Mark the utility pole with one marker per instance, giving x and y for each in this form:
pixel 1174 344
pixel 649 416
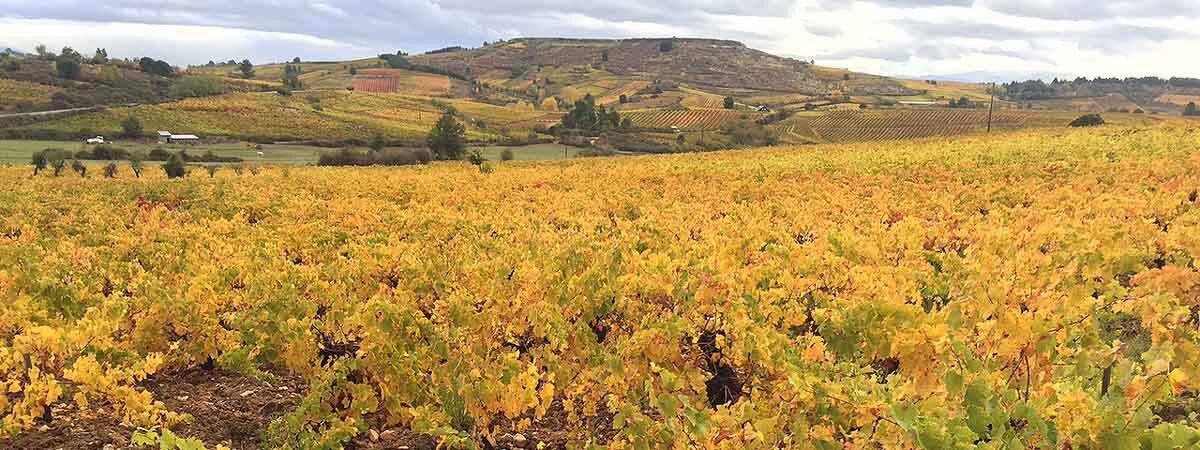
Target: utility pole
pixel 991 106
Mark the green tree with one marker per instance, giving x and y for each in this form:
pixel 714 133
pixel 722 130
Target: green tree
pixel 1191 110
pixel 174 166
pixel 131 127
pixel 291 77
pixel 585 115
pixel 729 102
pixel 247 69
pixel 100 57
pixel 69 64
pixel 377 142
pixel 156 67
pixel 447 138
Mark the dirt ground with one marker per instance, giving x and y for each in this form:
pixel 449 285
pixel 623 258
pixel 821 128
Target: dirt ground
pixel 229 409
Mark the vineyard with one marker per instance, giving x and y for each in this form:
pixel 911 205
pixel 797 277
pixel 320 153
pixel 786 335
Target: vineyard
pixel 1025 290
pixel 15 94
pixel 327 115
pixel 686 119
pixel 854 126
pixel 396 80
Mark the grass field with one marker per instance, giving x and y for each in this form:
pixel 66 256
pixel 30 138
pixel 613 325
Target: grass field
pixel 19 151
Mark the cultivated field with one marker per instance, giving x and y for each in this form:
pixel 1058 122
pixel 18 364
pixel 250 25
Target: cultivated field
pixel 850 126
pixel 14 94
pixel 323 115
pixel 686 119
pixel 1023 290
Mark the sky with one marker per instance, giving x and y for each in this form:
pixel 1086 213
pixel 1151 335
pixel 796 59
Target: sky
pixel 971 39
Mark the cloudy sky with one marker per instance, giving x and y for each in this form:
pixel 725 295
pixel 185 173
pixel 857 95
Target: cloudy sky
pixel 1005 38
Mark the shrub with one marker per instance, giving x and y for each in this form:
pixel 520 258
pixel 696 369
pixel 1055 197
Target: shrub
pixel 506 154
pixel 135 163
pixel 486 168
pixel 1087 120
pixel 475 156
pixel 110 170
pixel 212 170
pixel 174 167
pixel 79 168
pixel 392 157
pixel 159 154
pixel 730 102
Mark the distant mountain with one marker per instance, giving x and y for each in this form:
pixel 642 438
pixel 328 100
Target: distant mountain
pixel 11 51
pixel 982 76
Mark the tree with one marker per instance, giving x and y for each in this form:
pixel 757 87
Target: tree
pixel 549 104
pixel 296 60
pixel 729 102
pixel 100 57
pixel 447 138
pixel 69 67
pixel 155 66
pixel 110 170
pixel 353 70
pixel 666 46
pixel 1191 110
pixel 623 99
pixel 131 127
pixel 377 142
pixel 291 77
pixel 174 166
pixel 507 155
pixel 247 69
pixel 586 115
pixel 42 52
pixel 604 56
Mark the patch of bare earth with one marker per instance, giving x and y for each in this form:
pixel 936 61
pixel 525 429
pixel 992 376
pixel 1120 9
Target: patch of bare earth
pixel 229 409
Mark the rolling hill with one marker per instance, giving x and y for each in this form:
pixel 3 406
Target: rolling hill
pixel 718 66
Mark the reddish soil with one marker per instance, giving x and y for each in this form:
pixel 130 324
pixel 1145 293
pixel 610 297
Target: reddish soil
pixel 229 409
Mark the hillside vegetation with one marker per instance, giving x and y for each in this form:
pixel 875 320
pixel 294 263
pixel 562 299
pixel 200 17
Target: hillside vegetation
pixel 1027 290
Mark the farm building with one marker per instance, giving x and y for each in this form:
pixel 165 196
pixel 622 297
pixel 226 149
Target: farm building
pixel 183 139
pixel 164 137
